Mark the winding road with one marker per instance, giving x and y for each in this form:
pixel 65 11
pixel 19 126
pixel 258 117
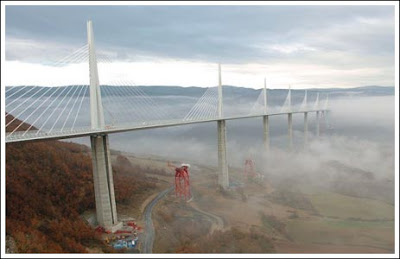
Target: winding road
pixel 149 236
pixel 217 222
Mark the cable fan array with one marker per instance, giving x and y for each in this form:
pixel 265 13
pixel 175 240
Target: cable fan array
pixel 206 107
pixel 316 104
pixel 126 104
pixel 39 110
pixel 259 105
pixel 48 109
pixel 287 105
pixel 304 104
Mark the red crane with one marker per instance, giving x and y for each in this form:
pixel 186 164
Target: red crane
pixel 182 183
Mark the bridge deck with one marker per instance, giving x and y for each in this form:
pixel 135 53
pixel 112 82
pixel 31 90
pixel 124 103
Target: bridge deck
pixel 81 132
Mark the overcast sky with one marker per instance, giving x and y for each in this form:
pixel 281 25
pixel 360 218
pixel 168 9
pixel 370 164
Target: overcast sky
pixel 305 46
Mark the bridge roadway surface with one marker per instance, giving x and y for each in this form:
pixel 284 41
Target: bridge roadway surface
pixel 37 136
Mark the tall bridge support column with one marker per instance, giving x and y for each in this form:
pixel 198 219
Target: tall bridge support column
pixel 317 121
pixel 223 175
pixel 266 132
pixel 265 119
pixel 103 183
pixel 290 131
pixel 305 129
pixel 106 210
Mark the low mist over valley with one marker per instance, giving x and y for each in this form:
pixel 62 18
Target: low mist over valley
pixel 223 128
pixel 334 193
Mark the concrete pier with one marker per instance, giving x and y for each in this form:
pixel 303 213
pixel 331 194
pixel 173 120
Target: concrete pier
pixel 266 118
pixel 106 210
pixel 266 132
pixel 223 175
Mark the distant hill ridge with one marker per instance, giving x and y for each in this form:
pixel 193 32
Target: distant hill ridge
pixel 194 91
pixel 228 89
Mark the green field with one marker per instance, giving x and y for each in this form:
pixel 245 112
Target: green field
pixel 345 221
pixel 347 207
pixel 343 232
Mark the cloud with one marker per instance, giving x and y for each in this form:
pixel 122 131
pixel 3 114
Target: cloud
pixel 362 35
pixel 370 149
pixel 201 31
pixel 290 48
pixel 44 75
pixel 355 41
pixel 28 50
pixel 191 73
pixel 350 119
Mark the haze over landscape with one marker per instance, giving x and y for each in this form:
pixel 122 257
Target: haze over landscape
pixel 334 193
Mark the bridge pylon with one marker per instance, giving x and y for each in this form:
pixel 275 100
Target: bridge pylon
pixel 290 120
pixel 266 119
pixel 305 120
pixel 223 174
pixel 305 129
pixel 106 210
pixel 316 106
pixel 290 131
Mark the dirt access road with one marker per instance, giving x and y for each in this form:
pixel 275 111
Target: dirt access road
pixel 149 236
pixel 216 221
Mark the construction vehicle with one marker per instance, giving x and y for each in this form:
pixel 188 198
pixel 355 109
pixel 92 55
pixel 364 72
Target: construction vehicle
pixel 119 244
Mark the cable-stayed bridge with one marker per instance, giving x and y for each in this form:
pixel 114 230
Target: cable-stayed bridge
pixel 95 110
pixel 60 112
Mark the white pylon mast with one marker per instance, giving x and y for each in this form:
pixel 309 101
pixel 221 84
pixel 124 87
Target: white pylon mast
pixel 220 99
pixel 326 102
pixel 305 100
pixel 265 96
pixel 316 105
pixel 96 106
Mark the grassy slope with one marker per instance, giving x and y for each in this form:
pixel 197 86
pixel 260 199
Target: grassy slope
pixel 346 221
pixel 342 232
pixel 342 206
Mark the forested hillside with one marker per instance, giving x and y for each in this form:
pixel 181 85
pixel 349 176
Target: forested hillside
pixel 48 185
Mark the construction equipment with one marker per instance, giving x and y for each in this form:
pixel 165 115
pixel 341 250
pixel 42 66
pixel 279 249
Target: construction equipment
pixel 182 182
pixel 249 170
pixel 124 244
pixel 100 229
